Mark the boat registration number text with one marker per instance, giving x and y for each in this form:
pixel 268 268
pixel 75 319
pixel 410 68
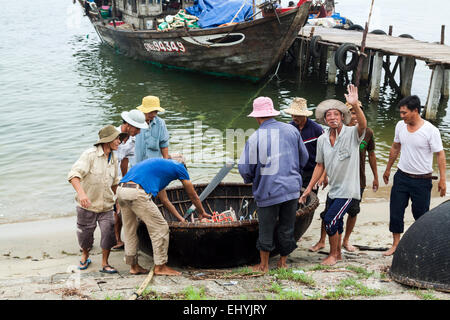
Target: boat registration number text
pixel 165 46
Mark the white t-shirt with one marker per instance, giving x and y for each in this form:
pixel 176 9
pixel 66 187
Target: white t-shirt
pixel 125 150
pixel 341 162
pixel 417 148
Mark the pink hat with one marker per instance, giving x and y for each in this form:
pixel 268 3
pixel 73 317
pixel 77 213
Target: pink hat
pixel 263 107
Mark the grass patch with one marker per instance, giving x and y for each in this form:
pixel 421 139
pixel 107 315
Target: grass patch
pixel 118 297
pixel 191 293
pixel 425 294
pixel 362 273
pixel 288 274
pixel 320 267
pixel 350 287
pixel 281 294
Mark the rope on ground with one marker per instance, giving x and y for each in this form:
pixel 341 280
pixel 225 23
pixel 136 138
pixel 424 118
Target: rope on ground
pixel 144 285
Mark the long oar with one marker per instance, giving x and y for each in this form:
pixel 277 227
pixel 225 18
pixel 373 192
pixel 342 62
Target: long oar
pixel 212 185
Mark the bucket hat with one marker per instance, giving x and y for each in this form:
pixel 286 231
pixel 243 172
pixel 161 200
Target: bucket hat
pixel 149 104
pixel 299 107
pixel 332 104
pixel 263 107
pixel 107 134
pixel 136 118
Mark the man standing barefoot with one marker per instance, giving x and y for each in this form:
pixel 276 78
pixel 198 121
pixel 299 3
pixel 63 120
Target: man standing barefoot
pixel 338 154
pixel 418 140
pixel 272 161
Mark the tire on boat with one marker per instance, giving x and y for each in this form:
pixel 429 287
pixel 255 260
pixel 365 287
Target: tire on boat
pixel 378 31
pixel 356 27
pixel 340 57
pixel 315 47
pixel 422 258
pixel 224 244
pixel 405 35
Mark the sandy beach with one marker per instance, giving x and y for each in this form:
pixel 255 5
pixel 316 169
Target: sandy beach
pixel 38 260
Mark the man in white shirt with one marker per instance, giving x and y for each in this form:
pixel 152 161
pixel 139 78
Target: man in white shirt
pixel 418 140
pixel 133 122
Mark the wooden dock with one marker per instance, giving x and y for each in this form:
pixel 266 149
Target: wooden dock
pixel 378 51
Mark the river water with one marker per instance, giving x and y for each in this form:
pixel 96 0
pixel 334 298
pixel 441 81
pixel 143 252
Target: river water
pixel 59 85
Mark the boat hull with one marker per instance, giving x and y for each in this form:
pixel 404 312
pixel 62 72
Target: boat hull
pixel 224 244
pixel 247 50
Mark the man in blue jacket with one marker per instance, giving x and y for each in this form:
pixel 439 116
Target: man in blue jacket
pixel 272 160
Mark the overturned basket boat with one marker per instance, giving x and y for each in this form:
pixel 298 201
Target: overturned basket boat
pixel 422 258
pixel 219 244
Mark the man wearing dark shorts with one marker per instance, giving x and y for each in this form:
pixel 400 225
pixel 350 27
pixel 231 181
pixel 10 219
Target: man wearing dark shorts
pixel 366 145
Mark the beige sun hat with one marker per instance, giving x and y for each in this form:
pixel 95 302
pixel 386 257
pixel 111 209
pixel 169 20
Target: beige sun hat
pixel 107 134
pixel 332 104
pixel 149 104
pixel 299 107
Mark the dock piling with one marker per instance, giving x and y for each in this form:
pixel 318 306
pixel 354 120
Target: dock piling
pixel 434 97
pixel 407 66
pixel 445 91
pixel 332 69
pixel 375 82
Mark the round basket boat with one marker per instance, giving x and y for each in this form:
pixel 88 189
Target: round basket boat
pixel 422 258
pixel 219 244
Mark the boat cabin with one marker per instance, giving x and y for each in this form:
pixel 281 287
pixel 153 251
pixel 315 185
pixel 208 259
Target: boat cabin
pixel 143 13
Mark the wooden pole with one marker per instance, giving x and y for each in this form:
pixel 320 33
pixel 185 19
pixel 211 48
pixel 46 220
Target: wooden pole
pixel 363 47
pixel 375 80
pixel 435 92
pixel 442 34
pixel 388 57
pixel 332 69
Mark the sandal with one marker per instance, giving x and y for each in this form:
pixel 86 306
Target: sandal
pixel 84 265
pixel 110 271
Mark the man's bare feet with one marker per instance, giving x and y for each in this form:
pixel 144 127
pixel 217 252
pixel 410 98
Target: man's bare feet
pixel 349 247
pixel 135 270
pixel 260 268
pixel 164 270
pixel 390 252
pixel 329 261
pixel 319 245
pixel 282 263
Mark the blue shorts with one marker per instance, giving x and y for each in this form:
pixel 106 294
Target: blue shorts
pixel 334 216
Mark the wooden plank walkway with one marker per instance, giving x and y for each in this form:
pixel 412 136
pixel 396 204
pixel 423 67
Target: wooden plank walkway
pixel 432 53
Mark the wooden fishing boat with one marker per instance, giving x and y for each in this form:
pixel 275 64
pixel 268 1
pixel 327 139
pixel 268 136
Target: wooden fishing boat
pixel 219 244
pixel 249 49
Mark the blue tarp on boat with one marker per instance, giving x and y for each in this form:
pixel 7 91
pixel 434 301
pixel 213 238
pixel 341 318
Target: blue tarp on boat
pixel 212 13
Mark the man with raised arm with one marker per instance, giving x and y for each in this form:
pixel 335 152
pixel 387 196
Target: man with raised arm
pixel 338 154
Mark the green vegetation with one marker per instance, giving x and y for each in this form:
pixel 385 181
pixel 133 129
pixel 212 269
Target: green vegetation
pixel 350 287
pixel 191 293
pixel 320 267
pixel 118 297
pixel 362 273
pixel 284 294
pixel 425 295
pixel 289 274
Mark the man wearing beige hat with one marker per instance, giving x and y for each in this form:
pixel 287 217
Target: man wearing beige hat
pixel 309 131
pixel 154 141
pixel 94 176
pixel 338 154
